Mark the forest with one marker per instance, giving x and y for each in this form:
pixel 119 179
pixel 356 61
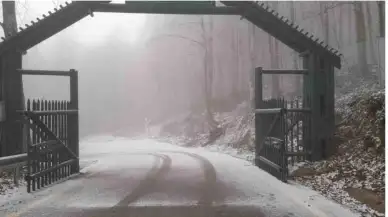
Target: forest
pixel 189 79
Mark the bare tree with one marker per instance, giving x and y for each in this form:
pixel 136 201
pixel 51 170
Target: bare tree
pixel 9 23
pixel 274 53
pixel 205 43
pixel 381 6
pixel 370 30
pixel 324 15
pixel 235 45
pixel 361 38
pixel 298 79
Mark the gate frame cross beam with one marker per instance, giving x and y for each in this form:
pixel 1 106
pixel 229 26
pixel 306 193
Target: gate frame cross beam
pixel 318 59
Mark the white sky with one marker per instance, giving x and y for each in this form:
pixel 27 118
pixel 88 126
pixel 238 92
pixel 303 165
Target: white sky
pixel 90 30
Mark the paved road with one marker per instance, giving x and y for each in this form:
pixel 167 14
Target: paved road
pixel 121 179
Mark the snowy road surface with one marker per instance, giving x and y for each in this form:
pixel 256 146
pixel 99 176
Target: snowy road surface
pixel 122 177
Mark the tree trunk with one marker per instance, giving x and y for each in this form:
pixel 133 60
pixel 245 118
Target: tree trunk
pixel 274 51
pixel 298 79
pixel 361 39
pixel 381 6
pixel 235 63
pixel 324 21
pixel 253 56
pixel 340 25
pixel 370 39
pixel 10 26
pixel 208 69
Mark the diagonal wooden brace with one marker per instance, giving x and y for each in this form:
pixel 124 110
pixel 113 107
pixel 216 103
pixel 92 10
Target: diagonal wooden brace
pixel 51 136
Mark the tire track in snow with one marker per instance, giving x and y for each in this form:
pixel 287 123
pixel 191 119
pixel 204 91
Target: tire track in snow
pixel 208 192
pixel 156 173
pixel 208 187
pixel 210 175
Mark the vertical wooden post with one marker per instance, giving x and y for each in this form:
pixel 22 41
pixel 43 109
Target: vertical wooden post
pixel 306 103
pixel 73 118
pixel 330 109
pixel 13 97
pixel 311 92
pixel 319 96
pixel 258 104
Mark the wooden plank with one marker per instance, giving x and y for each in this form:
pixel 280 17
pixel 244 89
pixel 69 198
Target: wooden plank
pixel 49 151
pixel 302 110
pixel 73 119
pixel 46 150
pixel 269 111
pixel 285 72
pixel 258 104
pixel 150 7
pixel 43 72
pixel 46 113
pixel 55 152
pixel 29 142
pixel 45 157
pixel 302 153
pixel 292 133
pixel 40 136
pixel 34 140
pixel 68 135
pixel 46 171
pixel 44 128
pixel 269 163
pixel 49 142
pixel 60 135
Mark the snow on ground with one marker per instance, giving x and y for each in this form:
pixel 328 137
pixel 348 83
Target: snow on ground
pixel 250 178
pixel 322 185
pixel 257 186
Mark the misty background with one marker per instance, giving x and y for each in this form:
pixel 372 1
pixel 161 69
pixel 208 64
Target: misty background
pixel 137 68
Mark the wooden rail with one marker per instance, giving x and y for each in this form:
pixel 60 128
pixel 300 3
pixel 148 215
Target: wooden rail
pixel 285 72
pixel 150 7
pixel 43 72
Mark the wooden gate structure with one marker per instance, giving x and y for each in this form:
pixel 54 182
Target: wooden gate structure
pixel 52 135
pixel 319 61
pixel 283 134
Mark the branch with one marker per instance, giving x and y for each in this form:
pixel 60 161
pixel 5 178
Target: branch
pixel 201 44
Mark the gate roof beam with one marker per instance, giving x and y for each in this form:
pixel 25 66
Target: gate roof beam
pixel 150 7
pixel 47 27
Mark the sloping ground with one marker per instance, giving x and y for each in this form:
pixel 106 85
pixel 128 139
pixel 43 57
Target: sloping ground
pixel 356 174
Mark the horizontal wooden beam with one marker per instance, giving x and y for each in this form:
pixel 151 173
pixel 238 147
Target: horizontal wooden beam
pixel 49 142
pixel 41 113
pixel 41 173
pixel 285 72
pixel 43 72
pixel 290 154
pixel 153 7
pixel 302 110
pixel 269 111
pixel 13 159
pixel 269 163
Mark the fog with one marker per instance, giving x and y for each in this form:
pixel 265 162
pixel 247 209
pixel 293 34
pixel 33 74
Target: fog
pixel 134 67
